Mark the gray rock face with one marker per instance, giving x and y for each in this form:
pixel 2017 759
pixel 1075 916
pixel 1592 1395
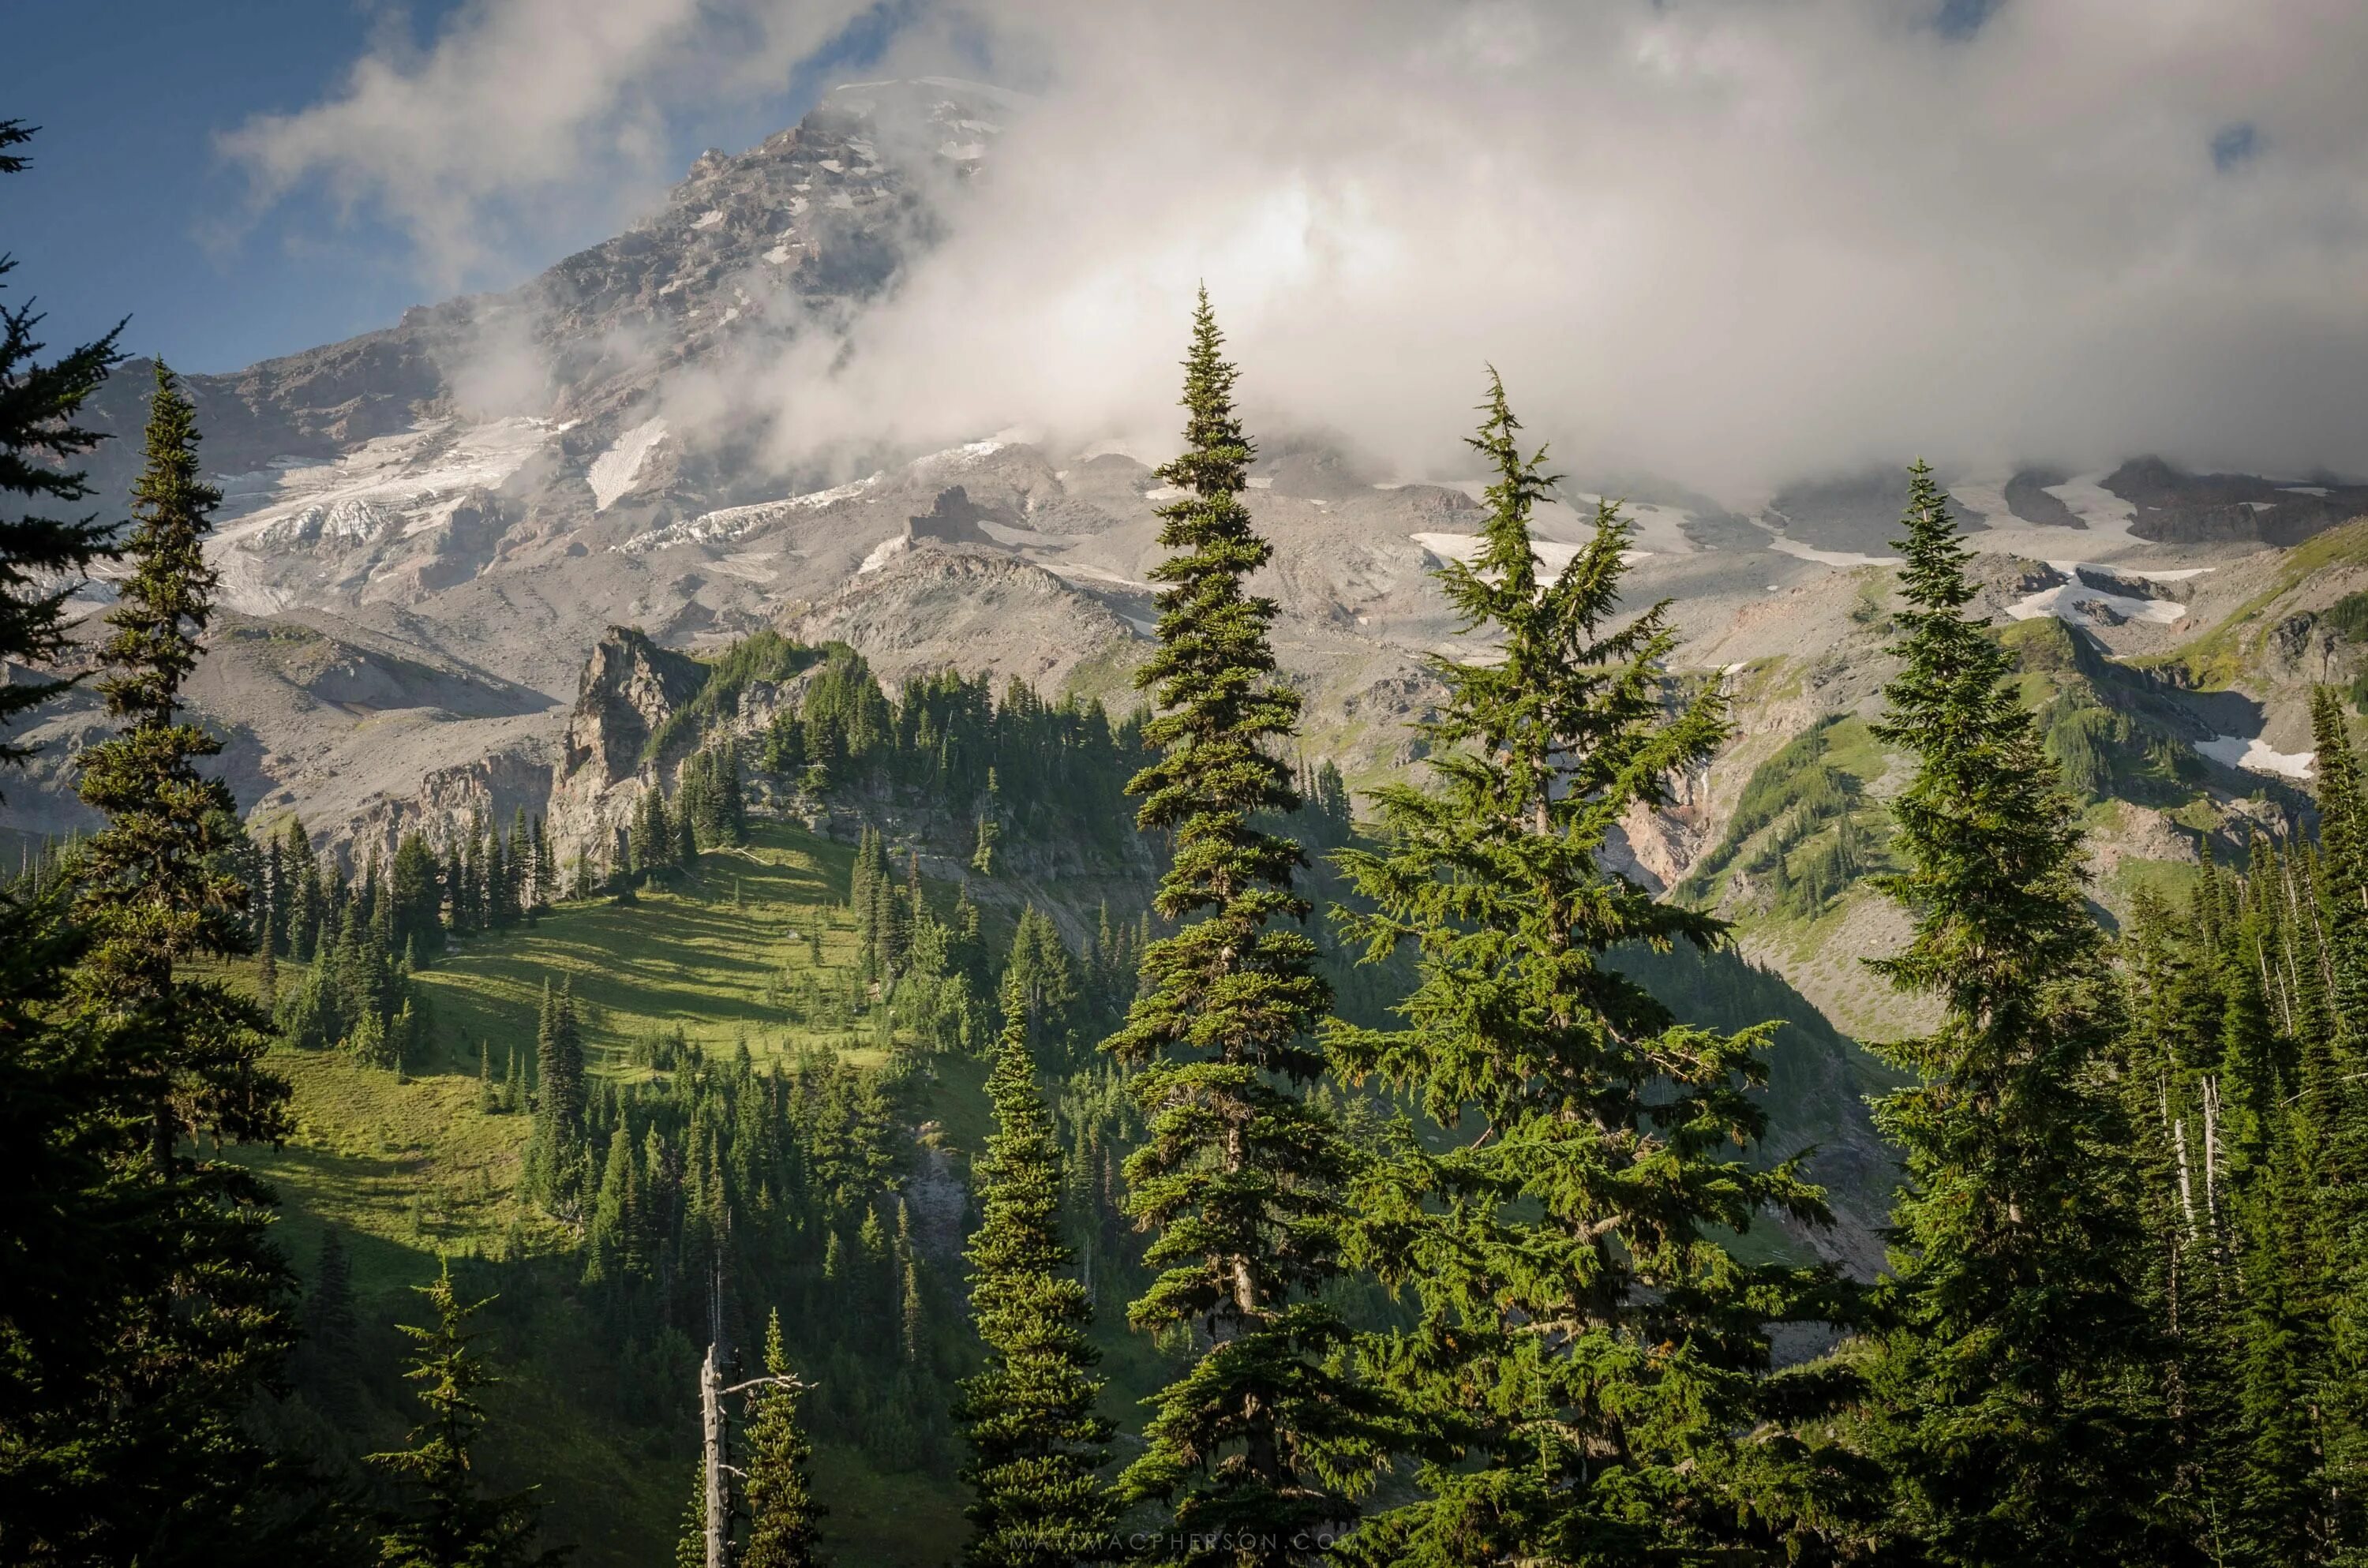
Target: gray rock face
pixel 429 532
pixel 631 687
pixel 2175 506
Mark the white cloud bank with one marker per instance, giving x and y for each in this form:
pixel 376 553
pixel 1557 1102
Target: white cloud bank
pixel 1732 240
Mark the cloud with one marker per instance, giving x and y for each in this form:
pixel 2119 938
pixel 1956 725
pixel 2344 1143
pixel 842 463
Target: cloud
pixel 523 111
pixel 1728 241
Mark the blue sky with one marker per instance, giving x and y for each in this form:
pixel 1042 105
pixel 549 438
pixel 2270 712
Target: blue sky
pixel 130 210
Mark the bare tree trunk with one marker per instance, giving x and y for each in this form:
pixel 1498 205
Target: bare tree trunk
pixel 2212 1147
pixel 711 1415
pixel 2178 1141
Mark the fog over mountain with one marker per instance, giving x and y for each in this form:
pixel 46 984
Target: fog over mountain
pixel 1734 242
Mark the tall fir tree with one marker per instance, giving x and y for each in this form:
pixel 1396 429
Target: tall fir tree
pixel 450 1522
pixel 1261 1441
pixel 207 1331
pixel 2014 1397
pixel 1588 1364
pixel 43 558
pixel 554 1149
pixel 784 1520
pixel 1036 1442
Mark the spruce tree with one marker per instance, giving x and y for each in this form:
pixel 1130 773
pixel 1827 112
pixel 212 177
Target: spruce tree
pixel 1587 1353
pixel 1030 1416
pixel 2343 858
pixel 330 1349
pixel 2013 1399
pixel 44 559
pixel 553 1152
pixel 783 1518
pixel 450 1524
pixel 208 1326
pixel 1257 1443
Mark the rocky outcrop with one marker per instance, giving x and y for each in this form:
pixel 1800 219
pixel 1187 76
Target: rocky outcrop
pixel 630 687
pixel 452 801
pixel 2175 506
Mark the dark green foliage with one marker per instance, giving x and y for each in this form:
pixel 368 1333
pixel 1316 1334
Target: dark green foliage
pixel 2015 1395
pixel 451 1523
pixel 1035 1439
pixel 554 1155
pixel 330 1353
pixel 358 995
pixel 42 559
pixel 759 657
pixel 1263 1438
pixel 711 802
pixel 783 1518
pixel 1586 1351
pixel 1822 840
pixel 1042 978
pixel 2349 616
pixel 133 1442
pixel 1017 769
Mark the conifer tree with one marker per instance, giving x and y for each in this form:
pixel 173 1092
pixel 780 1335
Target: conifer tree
pixel 783 1518
pixel 329 1331
pixel 1257 1441
pixel 1587 1352
pixel 2343 858
pixel 608 1244
pixel 2013 1396
pixel 451 1523
pixel 1029 1417
pixel 908 1289
pixel 42 559
pixel 691 1545
pixel 72 1249
pixel 554 1152
pixel 207 1330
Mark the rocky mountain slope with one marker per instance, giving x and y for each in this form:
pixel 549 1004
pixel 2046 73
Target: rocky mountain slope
pixel 427 532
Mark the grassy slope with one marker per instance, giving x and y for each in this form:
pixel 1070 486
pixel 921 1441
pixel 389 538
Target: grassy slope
pixel 413 1172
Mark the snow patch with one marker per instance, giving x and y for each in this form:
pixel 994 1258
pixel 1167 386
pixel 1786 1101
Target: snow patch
pixel 612 473
pixel 2104 512
pixel 709 219
pixel 887 550
pixel 1166 493
pixel 779 255
pixel 2250 754
pixel 2066 602
pixel 961 152
pixel 406 477
pixel 1837 558
pixel 1261 481
pixel 737 522
pixel 2069 600
pixel 2304 489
